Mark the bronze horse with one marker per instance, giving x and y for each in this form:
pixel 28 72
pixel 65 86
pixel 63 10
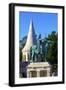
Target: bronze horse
pixel 38 51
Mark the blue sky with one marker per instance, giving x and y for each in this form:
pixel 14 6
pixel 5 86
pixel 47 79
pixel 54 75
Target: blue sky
pixel 44 23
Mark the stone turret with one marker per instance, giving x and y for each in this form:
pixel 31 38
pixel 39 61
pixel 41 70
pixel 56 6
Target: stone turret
pixel 31 40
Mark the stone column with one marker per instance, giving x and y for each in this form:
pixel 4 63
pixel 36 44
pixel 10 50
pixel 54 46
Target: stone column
pixel 30 74
pixel 38 73
pixel 27 74
pixel 48 72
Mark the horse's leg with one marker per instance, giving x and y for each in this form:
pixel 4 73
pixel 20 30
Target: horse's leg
pixel 32 57
pixel 35 57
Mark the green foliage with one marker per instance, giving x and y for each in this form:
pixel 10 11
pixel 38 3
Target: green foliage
pixel 52 51
pixel 22 42
pixel 20 54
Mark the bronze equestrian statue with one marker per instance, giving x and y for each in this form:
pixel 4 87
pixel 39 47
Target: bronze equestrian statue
pixel 38 52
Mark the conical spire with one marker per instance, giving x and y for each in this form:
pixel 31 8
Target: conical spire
pixel 31 39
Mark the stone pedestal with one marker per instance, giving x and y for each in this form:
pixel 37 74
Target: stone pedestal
pixel 41 69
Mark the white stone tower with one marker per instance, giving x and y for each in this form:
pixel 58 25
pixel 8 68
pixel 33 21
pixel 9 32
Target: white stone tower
pixel 31 40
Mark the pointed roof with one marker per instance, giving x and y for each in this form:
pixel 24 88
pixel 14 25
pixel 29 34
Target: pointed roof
pixel 31 39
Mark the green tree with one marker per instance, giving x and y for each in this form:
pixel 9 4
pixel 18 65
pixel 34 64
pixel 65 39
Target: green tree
pixel 52 55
